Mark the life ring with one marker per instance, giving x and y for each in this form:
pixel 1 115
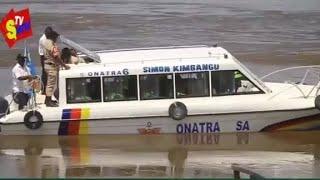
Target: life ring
pixel 33 120
pixel 178 111
pixel 317 102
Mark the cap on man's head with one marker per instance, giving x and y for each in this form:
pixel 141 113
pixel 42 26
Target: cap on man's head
pixel 54 34
pixel 20 57
pixel 48 29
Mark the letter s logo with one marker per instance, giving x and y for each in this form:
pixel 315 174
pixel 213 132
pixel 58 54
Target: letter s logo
pixel 12 32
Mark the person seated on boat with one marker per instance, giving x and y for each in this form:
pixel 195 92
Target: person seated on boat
pixel 242 84
pixel 237 78
pixel 66 55
pixel 246 86
pixel 75 59
pixel 69 56
pixel 20 74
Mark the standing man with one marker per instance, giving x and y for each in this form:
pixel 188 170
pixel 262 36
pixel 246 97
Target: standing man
pixel 47 31
pixel 52 65
pixel 20 75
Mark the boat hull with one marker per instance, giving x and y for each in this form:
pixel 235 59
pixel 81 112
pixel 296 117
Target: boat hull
pixel 303 119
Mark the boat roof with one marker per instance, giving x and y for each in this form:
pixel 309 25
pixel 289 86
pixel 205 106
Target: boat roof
pixel 162 56
pixel 161 53
pixel 150 53
pixel 122 59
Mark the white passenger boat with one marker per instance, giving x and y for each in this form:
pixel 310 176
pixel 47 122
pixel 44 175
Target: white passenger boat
pixel 189 89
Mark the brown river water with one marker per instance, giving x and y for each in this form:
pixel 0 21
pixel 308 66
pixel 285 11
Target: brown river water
pixel 265 35
pixel 280 155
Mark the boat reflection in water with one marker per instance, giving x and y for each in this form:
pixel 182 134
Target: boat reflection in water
pixel 284 154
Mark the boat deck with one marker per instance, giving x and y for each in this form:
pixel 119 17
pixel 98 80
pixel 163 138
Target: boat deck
pixel 39 103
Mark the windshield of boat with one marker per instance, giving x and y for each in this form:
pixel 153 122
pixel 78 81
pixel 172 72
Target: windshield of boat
pixel 80 49
pixel 252 75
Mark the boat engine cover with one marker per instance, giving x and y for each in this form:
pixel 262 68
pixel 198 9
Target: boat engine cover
pixel 317 102
pixel 4 105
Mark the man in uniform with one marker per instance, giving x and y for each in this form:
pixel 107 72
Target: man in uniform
pixel 47 31
pixel 237 78
pixel 52 64
pixel 20 74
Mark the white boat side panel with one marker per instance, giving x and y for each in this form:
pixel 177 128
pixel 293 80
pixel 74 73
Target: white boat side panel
pixel 246 122
pixel 195 106
pixel 135 68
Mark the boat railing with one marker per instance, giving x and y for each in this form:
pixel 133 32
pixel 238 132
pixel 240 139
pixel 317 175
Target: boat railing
pixel 168 59
pixel 153 48
pixel 309 70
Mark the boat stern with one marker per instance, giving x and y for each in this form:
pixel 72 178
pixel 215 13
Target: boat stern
pixel 2 121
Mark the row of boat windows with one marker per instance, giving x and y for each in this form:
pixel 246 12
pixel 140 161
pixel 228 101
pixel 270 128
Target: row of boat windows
pixel 158 86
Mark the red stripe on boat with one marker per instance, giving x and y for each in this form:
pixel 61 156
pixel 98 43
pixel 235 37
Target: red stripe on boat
pixel 291 122
pixel 75 113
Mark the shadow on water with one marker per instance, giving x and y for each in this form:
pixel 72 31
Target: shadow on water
pixel 190 155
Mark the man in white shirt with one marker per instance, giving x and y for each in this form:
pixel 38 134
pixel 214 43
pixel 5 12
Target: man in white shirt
pixel 44 77
pixel 20 74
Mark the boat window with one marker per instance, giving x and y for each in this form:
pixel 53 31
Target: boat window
pixel 156 86
pixel 192 84
pixel 231 82
pixel 120 88
pixel 83 90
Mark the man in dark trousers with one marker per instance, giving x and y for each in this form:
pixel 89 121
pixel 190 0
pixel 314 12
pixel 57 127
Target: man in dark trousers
pixel 20 75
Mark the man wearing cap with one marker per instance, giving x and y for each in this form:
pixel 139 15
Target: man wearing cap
pixel 47 31
pixel 20 74
pixel 52 65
